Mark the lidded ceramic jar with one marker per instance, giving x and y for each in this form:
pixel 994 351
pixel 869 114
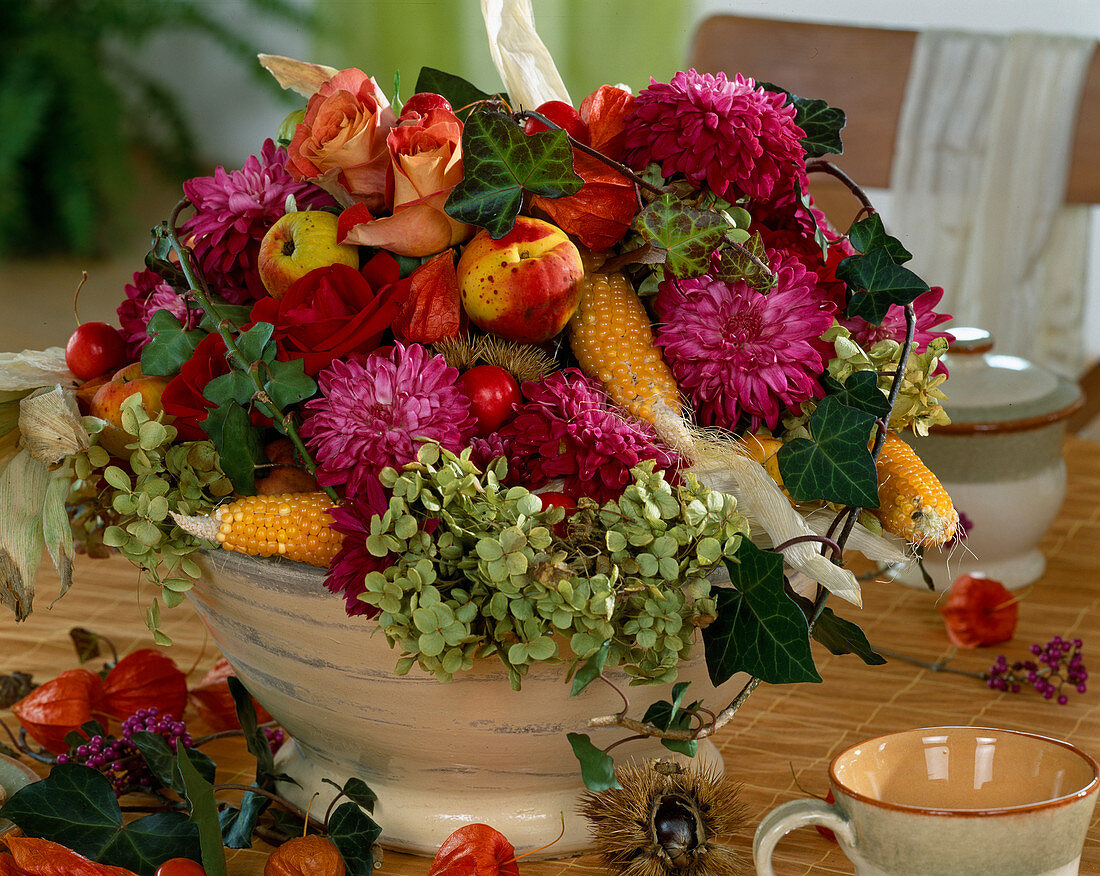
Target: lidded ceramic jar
pixel 1000 459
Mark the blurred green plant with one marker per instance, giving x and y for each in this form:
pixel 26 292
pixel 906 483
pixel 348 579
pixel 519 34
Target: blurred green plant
pixel 76 111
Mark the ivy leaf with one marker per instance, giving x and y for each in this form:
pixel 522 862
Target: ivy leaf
pixel 667 716
pixel 237 825
pixel 86 644
pixel 231 387
pixel 821 122
pixel 501 163
pixel 288 385
pixel 735 265
pixel 199 794
pixel 687 235
pixel 238 444
pixel 597 767
pixel 878 282
pixel 591 669
pixel 357 791
pixel 835 463
pixel 860 391
pixel 169 345
pixel 841 636
pixel 76 806
pixel 353 832
pixel 256 344
pixel 869 233
pixel 459 93
pixel 759 629
pixel 161 760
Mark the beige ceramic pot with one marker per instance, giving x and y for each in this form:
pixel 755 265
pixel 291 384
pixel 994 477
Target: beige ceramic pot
pixel 1000 459
pixel 437 755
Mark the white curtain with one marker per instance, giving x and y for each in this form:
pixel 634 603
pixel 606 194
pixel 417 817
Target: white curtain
pixel 978 183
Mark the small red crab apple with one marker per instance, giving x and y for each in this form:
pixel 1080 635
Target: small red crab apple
pixel 493 392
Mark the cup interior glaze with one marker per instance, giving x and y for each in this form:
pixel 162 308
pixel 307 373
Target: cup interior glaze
pixel 971 770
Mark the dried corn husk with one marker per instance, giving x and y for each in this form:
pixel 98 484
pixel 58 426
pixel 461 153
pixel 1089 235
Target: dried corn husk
pixel 50 425
pixel 525 66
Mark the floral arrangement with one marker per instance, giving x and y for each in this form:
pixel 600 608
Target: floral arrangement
pixel 578 384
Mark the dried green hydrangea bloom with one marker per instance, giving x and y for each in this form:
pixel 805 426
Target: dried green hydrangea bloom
pixel 492 577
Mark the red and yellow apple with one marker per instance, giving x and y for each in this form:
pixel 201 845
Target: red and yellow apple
pixel 523 287
pixel 298 243
pixel 107 404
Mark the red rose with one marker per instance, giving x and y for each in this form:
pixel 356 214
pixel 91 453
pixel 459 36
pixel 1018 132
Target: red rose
pixel 182 398
pixel 333 311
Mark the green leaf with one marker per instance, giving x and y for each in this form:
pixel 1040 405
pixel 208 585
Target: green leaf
pixel 232 387
pixel 877 283
pixel 169 345
pixel 237 314
pixel 597 767
pixel 834 464
pixel 76 806
pixel 256 344
pixel 591 669
pixel 501 164
pixel 688 235
pixel 458 92
pixel 254 738
pixel 759 629
pixel 667 716
pixel 734 265
pixel 869 233
pixel 161 760
pixel 289 384
pixel 199 794
pixel 357 791
pixel 860 391
pixel 822 123
pixel 237 825
pixel 354 832
pixel 841 636
pixel 238 444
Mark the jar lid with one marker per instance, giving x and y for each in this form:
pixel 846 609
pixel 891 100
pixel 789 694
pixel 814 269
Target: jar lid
pixel 988 391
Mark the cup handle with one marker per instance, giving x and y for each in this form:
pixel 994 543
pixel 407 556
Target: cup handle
pixel 789 816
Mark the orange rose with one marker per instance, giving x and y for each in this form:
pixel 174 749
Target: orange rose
pixel 426 152
pixel 341 143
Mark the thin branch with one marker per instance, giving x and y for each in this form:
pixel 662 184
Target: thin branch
pixel 939 666
pixel 618 690
pixel 275 798
pixel 821 165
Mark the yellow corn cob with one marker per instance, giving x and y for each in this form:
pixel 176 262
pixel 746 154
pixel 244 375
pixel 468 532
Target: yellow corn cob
pixel 613 341
pixel 912 502
pixel 292 525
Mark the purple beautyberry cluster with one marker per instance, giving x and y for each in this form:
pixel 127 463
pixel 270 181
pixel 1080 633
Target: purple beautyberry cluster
pixel 1056 665
pixel 119 759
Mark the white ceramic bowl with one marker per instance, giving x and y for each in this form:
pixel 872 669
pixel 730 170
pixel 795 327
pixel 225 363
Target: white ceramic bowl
pixel 14 775
pixel 1000 459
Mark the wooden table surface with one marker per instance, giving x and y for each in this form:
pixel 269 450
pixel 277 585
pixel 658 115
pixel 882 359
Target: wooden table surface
pixel 781 733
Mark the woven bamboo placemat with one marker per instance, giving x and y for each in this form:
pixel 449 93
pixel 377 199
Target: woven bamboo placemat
pixel 780 734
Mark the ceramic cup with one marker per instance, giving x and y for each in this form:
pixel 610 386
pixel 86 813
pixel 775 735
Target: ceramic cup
pixel 950 801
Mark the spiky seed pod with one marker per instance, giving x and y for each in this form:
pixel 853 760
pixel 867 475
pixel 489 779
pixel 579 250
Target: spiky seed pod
pixel 665 820
pixel 524 361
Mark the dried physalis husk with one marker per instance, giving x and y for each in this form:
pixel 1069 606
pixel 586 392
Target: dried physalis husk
pixel 301 77
pixel 665 820
pixel 50 425
pixel 305 856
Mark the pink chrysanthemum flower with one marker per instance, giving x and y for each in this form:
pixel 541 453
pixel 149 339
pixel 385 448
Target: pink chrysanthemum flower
pixel 738 139
pixel 349 568
pixel 791 242
pixel 147 294
pixel 737 353
pixel 485 450
pixel 568 429
pixel 374 409
pixel 233 210
pixel 893 325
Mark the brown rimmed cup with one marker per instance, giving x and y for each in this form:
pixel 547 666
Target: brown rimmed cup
pixel 950 801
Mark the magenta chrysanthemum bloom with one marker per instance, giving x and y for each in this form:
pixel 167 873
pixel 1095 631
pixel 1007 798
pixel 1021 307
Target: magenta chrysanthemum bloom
pixel 568 429
pixel 738 139
pixel 485 450
pixel 737 353
pixel 147 294
pixel 349 568
pixel 374 409
pixel 233 210
pixel 893 324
